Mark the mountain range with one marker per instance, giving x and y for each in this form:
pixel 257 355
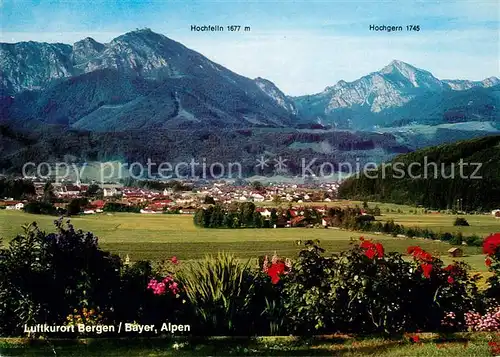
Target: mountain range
pixel 145 82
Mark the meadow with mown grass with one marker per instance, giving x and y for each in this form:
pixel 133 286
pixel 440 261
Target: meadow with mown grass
pixel 276 297
pixel 154 237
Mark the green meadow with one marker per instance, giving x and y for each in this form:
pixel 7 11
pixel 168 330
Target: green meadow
pixel 154 237
pixel 430 345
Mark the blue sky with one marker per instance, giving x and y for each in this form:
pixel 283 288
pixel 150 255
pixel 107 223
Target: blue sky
pixel 302 46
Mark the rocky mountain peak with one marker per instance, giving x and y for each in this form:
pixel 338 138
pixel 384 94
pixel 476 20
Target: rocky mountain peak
pixel 491 81
pixel 271 90
pixel 86 49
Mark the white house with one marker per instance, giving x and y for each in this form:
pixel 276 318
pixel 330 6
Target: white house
pixel 18 206
pixel 266 213
pixel 257 197
pixel 148 211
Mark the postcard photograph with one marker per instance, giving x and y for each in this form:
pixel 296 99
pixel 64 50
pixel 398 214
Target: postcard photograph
pixel 249 178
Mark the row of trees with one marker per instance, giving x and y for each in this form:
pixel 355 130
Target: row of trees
pixel 17 189
pixel 242 215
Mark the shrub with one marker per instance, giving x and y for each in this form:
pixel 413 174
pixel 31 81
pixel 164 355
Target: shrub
pixel 460 221
pixel 491 247
pixel 488 322
pixel 474 240
pixel 35 207
pixel 44 277
pixel 307 292
pixel 219 290
pixel 364 290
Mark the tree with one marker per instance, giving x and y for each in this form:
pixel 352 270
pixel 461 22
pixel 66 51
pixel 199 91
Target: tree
pixel 16 189
pixel 274 217
pixel 209 200
pixel 94 191
pixel 48 192
pixel 247 210
pixel 257 220
pixel 75 206
pixel 277 200
pixel 257 185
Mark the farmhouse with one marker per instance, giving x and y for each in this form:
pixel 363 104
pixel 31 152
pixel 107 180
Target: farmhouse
pixel 455 252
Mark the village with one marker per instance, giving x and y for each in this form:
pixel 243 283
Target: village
pixel 172 200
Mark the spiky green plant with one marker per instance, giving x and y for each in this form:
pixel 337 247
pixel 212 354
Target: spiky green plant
pixel 220 290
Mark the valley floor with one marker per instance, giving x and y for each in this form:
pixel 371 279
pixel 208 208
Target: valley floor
pixel 156 237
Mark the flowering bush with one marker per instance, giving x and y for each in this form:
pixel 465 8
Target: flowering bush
pixel 367 290
pixel 372 290
pixel 45 275
pixel 491 247
pixel 306 294
pixel 487 322
pixel 450 322
pixel 361 290
pixel 276 268
pixel 446 291
pixel 371 250
pixel 491 244
pixel 160 287
pixel 89 317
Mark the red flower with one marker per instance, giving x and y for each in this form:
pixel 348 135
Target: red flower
pixel 451 280
pixel 174 260
pixel 370 253
pixel 453 269
pixel 426 269
pixel 412 249
pixel 415 339
pixel 491 243
pixel 420 254
pixel 372 250
pixel 275 270
pixel 487 261
pixel 366 244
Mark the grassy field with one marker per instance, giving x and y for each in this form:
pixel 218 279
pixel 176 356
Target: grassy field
pixel 481 225
pixel 430 345
pixel 347 203
pixel 159 236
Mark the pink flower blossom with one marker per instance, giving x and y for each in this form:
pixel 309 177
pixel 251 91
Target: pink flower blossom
pixel 265 264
